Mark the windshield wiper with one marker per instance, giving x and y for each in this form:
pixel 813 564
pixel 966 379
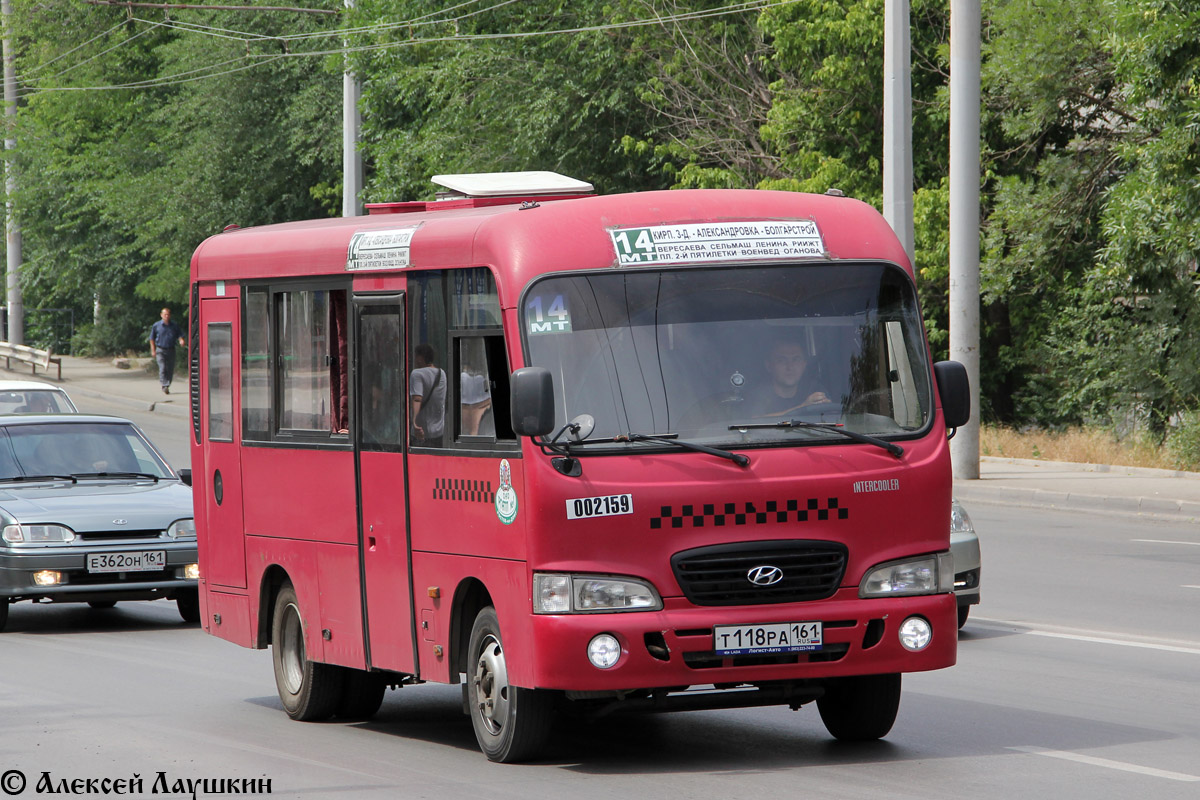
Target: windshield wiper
pixel 835 427
pixel 28 478
pixel 673 438
pixel 146 475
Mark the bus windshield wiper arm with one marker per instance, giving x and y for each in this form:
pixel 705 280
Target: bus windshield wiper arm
pixel 673 438
pixel 835 427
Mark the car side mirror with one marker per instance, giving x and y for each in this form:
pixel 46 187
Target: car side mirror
pixel 531 392
pixel 954 387
pixel 185 475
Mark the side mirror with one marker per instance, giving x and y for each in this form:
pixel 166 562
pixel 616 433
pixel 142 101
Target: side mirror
pixel 955 390
pixel 531 392
pixel 185 475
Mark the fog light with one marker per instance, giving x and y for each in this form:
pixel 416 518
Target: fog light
pixel 604 651
pixel 47 577
pixel 192 572
pixel 915 634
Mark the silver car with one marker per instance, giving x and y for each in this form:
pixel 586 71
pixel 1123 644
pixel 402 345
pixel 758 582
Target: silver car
pixel 964 548
pixel 90 512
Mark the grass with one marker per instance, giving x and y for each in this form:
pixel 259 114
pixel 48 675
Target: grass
pixel 1079 445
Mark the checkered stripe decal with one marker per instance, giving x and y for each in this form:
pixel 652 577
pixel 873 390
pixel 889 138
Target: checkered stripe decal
pixel 720 514
pixel 463 491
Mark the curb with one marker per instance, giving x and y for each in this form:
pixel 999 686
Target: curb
pixel 1145 472
pixel 1136 507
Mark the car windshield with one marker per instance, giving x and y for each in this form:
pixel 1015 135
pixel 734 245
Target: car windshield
pixel 35 401
pixel 734 356
pixel 77 449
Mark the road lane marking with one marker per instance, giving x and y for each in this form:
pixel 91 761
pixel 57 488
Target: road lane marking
pixel 1190 586
pixel 1094 637
pixel 1107 763
pixel 1165 541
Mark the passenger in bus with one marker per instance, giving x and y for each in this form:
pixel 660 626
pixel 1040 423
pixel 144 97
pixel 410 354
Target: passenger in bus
pixel 476 399
pixel 791 387
pixel 427 395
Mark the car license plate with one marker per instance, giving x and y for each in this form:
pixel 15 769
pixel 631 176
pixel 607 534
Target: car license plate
pixel 776 637
pixel 141 561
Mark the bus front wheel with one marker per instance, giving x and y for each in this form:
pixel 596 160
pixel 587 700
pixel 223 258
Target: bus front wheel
pixel 861 708
pixel 511 723
pixel 309 690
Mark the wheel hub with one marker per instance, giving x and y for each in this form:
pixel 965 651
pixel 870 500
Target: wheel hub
pixel 491 685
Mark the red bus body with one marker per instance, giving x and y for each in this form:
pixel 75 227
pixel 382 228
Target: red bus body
pixel 392 553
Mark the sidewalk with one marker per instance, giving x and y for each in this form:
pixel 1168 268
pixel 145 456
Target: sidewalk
pixel 136 387
pixel 1129 491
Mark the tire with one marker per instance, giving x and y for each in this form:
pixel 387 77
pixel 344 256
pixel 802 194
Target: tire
pixel 362 695
pixel 861 708
pixel 964 611
pixel 511 724
pixel 3 612
pixel 189 605
pixel 309 691
pixel 102 604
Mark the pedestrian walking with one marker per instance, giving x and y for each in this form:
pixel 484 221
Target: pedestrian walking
pixel 164 335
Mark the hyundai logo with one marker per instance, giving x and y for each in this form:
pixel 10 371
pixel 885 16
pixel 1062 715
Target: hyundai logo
pixel 765 576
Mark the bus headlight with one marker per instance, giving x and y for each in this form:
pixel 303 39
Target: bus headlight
pixel 932 574
pixel 575 594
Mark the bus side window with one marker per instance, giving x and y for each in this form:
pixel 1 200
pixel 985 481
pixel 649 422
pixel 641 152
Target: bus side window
pixel 482 367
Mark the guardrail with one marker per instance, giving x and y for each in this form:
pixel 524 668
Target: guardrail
pixel 29 355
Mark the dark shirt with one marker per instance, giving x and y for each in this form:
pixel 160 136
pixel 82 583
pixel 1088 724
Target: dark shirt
pixel 165 335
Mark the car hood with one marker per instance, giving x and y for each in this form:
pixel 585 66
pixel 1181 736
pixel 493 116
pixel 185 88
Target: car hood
pixel 95 505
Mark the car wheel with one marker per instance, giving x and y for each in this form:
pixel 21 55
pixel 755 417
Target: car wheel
pixel 861 708
pixel 3 612
pixel 309 690
pixel 362 694
pixel 189 605
pixel 964 611
pixel 102 604
pixel 511 723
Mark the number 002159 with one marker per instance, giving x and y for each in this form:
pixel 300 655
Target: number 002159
pixel 601 506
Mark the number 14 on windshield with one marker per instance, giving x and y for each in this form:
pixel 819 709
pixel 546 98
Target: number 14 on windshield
pixel 554 319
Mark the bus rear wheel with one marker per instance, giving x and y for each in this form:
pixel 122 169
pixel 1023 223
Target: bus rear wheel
pixel 511 723
pixel 309 691
pixel 861 708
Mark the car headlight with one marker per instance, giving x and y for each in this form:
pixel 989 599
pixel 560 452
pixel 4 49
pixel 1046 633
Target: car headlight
pixel 37 534
pixel 960 521
pixel 182 528
pixel 574 594
pixel 933 574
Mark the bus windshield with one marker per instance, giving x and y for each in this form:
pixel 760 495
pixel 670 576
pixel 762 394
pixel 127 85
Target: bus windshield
pixel 734 356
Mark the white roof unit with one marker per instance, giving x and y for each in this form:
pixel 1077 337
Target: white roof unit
pixel 507 184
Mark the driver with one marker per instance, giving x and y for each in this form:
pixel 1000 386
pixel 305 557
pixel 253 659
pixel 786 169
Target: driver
pixel 791 388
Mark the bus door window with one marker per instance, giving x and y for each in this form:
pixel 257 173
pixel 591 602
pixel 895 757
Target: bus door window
pixel 313 380
pixel 381 380
pixel 220 381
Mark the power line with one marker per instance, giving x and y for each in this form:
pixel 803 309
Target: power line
pixel 173 6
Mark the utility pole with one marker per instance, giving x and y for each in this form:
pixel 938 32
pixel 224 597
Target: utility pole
pixel 352 170
pixel 897 123
pixel 16 307
pixel 965 20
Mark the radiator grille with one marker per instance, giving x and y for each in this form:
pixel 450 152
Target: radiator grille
pixel 719 575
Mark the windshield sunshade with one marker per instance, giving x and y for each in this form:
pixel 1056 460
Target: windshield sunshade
pixel 699 353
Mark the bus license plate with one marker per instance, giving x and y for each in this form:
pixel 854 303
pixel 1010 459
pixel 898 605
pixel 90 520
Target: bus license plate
pixel 777 637
pixel 143 561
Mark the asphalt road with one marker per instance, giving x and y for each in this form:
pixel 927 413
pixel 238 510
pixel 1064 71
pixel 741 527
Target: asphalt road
pixel 1078 677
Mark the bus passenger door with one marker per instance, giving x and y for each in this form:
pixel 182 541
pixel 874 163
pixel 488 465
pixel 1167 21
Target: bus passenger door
pixel 379 443
pixel 220 481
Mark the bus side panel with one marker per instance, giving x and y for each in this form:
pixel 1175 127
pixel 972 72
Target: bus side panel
pixel 299 561
pixel 228 616
pixel 316 492
pixel 508 584
pixel 453 506
pixel 341 605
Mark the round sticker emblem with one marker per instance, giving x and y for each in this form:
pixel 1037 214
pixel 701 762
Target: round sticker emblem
pixel 506 495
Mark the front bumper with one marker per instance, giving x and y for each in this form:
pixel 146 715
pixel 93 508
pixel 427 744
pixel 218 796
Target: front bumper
pixel 18 565
pixel 674 647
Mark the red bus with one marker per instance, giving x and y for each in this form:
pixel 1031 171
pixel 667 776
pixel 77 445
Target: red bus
pixel 645 452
